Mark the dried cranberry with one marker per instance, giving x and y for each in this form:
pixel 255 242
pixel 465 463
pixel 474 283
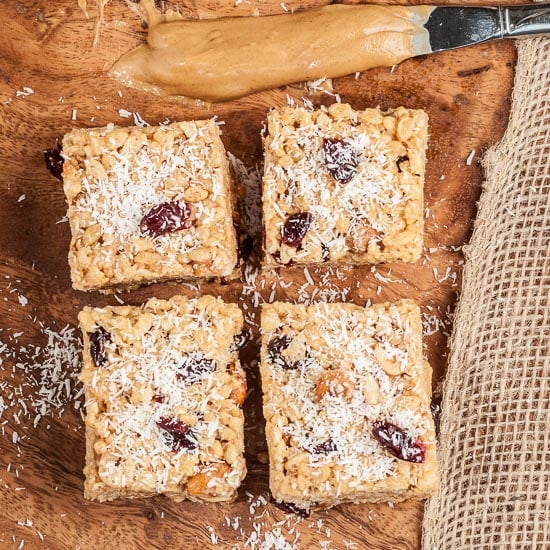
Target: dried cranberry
pixel 399 160
pixel 398 442
pixel 240 340
pixel 290 508
pixel 165 218
pixel 177 434
pixel 275 347
pixel 54 160
pixel 295 228
pixel 340 159
pixel 195 367
pixel 327 446
pixel 97 346
pixel 157 398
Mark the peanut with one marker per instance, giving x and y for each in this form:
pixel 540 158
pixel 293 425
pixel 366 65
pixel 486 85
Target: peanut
pixel 389 365
pixel 360 235
pixel 205 482
pixel 371 389
pixel 335 383
pixel 238 394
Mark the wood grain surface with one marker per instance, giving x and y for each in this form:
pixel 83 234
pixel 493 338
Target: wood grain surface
pixel 52 80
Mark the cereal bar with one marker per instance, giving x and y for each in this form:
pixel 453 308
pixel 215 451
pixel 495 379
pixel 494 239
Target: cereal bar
pixel 148 204
pixel 164 389
pixel 343 186
pixel 347 404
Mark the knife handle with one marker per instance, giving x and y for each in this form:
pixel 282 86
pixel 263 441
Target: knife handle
pixel 524 20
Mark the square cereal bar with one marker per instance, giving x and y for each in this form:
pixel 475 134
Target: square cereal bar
pixel 164 389
pixel 343 186
pixel 347 404
pixel 148 204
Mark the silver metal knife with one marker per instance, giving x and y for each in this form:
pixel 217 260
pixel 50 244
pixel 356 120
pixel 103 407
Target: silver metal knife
pixel 456 27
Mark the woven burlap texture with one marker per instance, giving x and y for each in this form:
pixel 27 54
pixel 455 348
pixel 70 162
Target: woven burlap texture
pixel 494 436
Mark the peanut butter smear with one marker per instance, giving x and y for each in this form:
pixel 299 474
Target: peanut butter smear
pixel 222 59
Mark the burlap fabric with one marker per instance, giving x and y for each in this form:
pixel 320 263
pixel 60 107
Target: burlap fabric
pixel 495 439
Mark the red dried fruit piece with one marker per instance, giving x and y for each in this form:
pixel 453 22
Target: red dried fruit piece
pixel 327 446
pixel 277 344
pixel 195 367
pixel 54 160
pixel 167 217
pixel 97 346
pixel 157 398
pixel 398 442
pixel 177 434
pixel 340 159
pixel 275 347
pixel 295 228
pixel 290 508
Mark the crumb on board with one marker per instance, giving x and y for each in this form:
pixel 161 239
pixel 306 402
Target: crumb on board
pixel 262 530
pixel 39 381
pixel 136 117
pixel 26 91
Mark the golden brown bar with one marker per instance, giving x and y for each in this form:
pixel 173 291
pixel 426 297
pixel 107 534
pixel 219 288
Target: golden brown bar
pixel 343 186
pixel 148 204
pixel 347 404
pixel 164 389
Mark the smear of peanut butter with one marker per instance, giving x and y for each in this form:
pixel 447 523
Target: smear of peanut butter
pixel 222 59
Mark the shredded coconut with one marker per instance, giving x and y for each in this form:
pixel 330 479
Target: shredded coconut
pixel 43 380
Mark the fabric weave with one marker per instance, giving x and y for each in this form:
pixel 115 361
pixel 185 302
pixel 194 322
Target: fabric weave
pixel 495 438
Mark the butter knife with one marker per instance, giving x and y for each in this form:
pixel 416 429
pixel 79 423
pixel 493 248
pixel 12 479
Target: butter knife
pixel 456 27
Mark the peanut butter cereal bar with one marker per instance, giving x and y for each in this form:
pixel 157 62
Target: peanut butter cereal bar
pixel 164 389
pixel 148 204
pixel 343 186
pixel 347 404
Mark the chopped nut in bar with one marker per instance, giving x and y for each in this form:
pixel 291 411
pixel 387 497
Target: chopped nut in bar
pixel 343 186
pixel 148 204
pixel 164 389
pixel 347 404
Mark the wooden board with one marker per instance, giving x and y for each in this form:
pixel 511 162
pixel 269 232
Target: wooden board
pixel 51 80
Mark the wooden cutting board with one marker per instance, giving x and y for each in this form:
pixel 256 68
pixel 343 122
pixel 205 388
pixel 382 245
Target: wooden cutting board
pixel 51 80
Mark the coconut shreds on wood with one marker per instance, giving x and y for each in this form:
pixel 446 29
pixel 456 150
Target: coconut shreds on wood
pixel 40 381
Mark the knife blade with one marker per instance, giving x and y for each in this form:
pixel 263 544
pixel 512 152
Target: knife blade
pixel 456 27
